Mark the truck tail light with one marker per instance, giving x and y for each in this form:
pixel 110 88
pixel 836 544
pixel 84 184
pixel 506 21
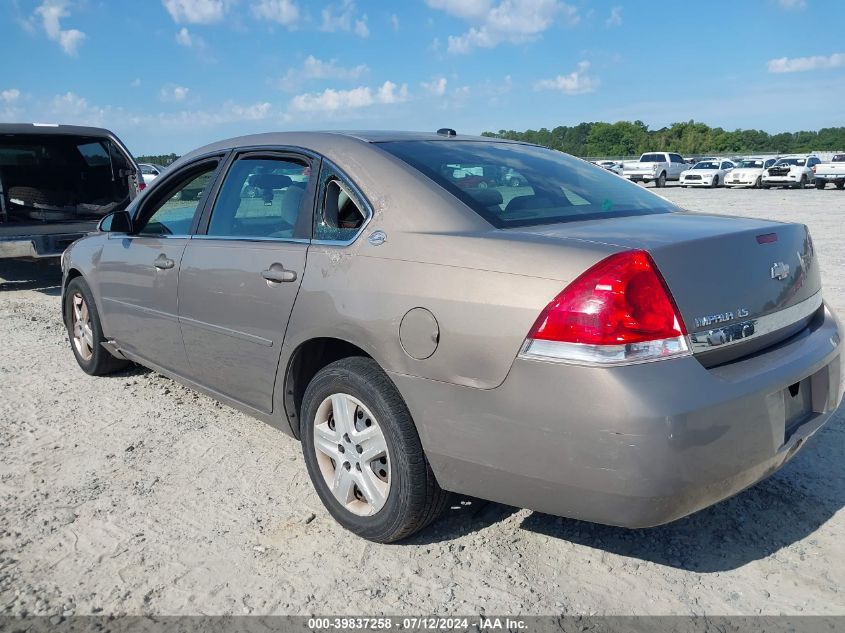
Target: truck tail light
pixel 619 311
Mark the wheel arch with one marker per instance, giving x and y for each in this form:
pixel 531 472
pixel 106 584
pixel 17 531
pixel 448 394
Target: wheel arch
pixel 309 357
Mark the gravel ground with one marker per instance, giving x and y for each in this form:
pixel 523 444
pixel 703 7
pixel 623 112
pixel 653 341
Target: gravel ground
pixel 132 494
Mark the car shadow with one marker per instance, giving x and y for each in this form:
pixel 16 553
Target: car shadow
pixel 784 509
pixel 41 276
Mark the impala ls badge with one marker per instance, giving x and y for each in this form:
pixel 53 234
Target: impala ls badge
pixel 780 270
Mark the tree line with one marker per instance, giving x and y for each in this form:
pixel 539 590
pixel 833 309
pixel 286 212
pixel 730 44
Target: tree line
pixel 159 159
pixel 626 138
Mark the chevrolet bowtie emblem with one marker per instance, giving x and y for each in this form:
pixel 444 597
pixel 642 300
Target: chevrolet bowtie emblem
pixel 780 270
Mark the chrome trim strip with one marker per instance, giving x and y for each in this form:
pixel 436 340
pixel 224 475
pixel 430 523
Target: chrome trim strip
pixel 151 311
pixel 219 329
pixel 748 329
pixel 242 238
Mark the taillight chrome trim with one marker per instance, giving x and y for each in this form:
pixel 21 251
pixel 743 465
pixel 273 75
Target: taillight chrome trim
pixel 742 331
pixel 604 355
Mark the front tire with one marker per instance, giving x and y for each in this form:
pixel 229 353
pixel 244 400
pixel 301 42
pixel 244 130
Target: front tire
pixel 85 332
pixel 840 184
pixel 364 455
pixel 715 182
pixel 802 184
pixel 759 182
pixel 820 184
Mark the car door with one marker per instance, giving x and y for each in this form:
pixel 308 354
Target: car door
pixel 676 165
pixel 138 272
pixel 241 273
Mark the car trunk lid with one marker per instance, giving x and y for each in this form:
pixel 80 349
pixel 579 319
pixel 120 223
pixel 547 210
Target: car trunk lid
pixel 728 276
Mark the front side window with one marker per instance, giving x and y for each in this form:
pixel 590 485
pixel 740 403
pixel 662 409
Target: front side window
pixel 342 212
pixel 556 188
pixel 260 198
pixel 173 213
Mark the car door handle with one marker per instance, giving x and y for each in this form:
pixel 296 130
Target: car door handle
pixel 277 274
pixel 163 262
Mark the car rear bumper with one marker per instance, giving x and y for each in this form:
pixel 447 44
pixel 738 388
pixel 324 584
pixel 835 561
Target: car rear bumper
pixel 830 177
pixel 640 177
pixel 633 446
pixel 36 246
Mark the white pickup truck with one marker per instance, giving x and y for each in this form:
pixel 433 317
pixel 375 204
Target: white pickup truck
pixel 834 172
pixel 657 167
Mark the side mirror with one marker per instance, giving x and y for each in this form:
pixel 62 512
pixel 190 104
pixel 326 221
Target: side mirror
pixel 117 222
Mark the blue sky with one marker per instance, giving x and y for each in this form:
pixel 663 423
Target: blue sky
pixel 170 75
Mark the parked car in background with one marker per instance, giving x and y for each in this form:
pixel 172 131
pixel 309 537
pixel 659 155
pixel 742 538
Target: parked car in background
pixel 610 165
pixel 656 167
pixel 707 173
pixel 150 171
pixel 834 172
pixel 56 183
pixel 794 172
pixel 583 348
pixel 748 172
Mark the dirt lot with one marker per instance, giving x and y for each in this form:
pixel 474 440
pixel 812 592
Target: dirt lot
pixel 132 494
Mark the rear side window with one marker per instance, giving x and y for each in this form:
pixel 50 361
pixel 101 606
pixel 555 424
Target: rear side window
pixel 553 187
pixel 260 198
pixel 342 213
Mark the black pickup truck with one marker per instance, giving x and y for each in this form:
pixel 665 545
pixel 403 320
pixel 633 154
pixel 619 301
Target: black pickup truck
pixel 56 183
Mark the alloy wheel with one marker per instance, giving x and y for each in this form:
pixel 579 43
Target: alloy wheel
pixel 352 454
pixel 83 333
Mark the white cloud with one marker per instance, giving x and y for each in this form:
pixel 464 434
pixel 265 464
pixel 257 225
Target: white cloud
pixel 793 4
pixel 331 100
pixel 183 37
pixel 394 21
pixel 513 21
pixel 173 93
pixel 51 13
pixel 195 11
pixel 136 83
pixel 10 95
pixel 575 83
pixel 615 18
pixel 342 18
pixel 803 64
pixel 437 86
pixel 313 69
pixel 71 108
pixel 284 12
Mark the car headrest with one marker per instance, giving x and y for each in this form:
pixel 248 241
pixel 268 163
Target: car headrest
pixel 487 197
pixel 270 181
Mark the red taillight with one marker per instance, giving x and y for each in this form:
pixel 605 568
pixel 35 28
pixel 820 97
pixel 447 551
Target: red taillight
pixel 617 308
pixel 142 185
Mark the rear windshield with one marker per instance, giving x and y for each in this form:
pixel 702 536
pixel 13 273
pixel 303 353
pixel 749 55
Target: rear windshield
pixel 513 185
pixel 839 158
pixel 652 158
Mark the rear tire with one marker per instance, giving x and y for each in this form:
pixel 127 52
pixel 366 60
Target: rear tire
pixel 370 410
pixel 840 184
pixel 85 332
pixel 661 181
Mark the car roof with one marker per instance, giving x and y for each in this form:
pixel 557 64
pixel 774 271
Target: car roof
pixel 53 129
pixel 319 141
